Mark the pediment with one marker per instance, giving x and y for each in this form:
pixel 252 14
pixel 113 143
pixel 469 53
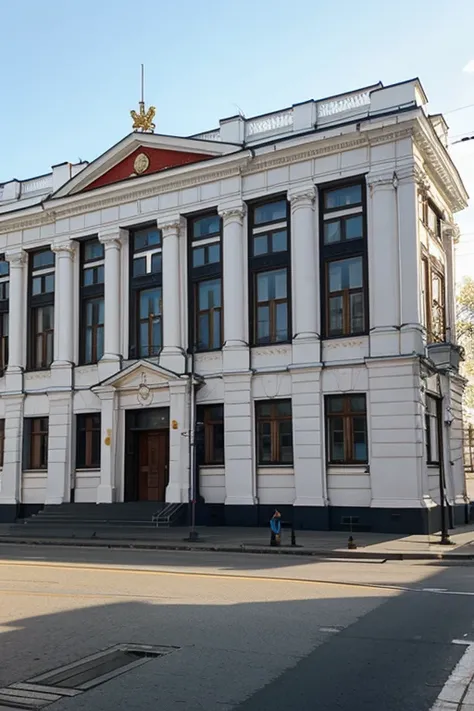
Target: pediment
pixel 141 374
pixel 139 155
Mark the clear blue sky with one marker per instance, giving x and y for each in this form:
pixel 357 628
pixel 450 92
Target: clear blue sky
pixel 70 68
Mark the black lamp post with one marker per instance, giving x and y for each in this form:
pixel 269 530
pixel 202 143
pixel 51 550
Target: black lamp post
pixel 445 540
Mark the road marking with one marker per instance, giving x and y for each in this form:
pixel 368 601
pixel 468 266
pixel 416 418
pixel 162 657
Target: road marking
pixel 329 629
pixel 455 689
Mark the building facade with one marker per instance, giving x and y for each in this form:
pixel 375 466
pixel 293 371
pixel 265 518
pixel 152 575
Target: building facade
pixel 252 304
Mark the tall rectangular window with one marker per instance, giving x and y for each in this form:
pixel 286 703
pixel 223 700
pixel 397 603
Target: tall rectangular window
pixel 4 308
pixel 92 301
pixel 346 429
pixel 274 432
pixel 146 308
pixel 210 420
pixel 41 309
pixel 35 443
pixel 2 441
pixel 343 260
pixel 431 427
pixel 269 278
pixel 433 294
pixel 88 441
pixel 205 276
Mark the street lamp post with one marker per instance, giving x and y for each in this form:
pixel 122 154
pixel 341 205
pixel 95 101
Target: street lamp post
pixel 445 540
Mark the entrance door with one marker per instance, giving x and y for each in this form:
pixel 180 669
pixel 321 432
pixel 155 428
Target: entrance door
pixel 153 461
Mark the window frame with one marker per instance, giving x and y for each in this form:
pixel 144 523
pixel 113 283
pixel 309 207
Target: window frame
pixel 41 424
pixel 274 419
pixel 36 302
pixel 85 430
pixel 140 283
pixel 212 271
pixel 140 321
pixel 269 262
pixel 209 423
pixel 430 270
pixel 347 415
pixel 342 250
pixel 90 293
pixel 2 442
pixel 431 421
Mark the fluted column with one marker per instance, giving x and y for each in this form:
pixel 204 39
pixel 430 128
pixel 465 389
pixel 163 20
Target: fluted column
pixel 112 241
pixel 236 349
pixel 16 345
pixel 305 281
pixel 172 355
pixel 64 298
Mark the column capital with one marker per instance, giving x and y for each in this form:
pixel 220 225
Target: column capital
pixel 234 213
pixel 302 197
pixel 64 249
pixel 112 237
pixel 170 225
pixel 16 257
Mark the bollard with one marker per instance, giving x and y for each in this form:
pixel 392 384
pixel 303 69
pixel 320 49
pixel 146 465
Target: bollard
pixel 351 544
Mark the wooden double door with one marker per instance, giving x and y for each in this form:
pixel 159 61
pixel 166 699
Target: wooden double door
pixel 153 465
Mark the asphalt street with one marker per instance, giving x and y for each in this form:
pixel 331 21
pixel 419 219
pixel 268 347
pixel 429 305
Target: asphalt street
pixel 243 632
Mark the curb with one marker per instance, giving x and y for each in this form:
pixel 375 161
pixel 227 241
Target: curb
pixel 241 548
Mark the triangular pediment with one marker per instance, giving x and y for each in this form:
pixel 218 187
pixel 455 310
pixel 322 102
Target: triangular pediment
pixel 139 155
pixel 141 374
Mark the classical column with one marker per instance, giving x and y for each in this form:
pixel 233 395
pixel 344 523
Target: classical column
pixel 172 352
pixel 384 264
pixel 64 296
pixel 178 484
pixel 236 350
pixel 16 345
pixel 10 477
pixel 305 277
pixel 240 479
pixel 112 241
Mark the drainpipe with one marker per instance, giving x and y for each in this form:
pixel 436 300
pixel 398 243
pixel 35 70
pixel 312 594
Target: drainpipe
pixel 193 534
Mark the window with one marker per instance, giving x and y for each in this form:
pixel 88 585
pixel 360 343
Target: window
pixel 274 432
pixel 41 309
pixel 92 301
pixel 35 443
pixel 433 293
pixel 430 215
pixel 88 441
pixel 210 420
pixel 2 441
pixel 269 279
pixel 346 427
pixel 343 260
pixel 431 425
pixel 146 306
pixel 4 307
pixel 205 274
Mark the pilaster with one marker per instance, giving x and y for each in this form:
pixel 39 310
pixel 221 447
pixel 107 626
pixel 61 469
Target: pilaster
pixel 110 362
pixel 178 484
pixel 236 347
pixel 172 355
pixel 63 314
pixel 240 481
pixel 58 486
pixel 10 478
pixel 17 345
pixel 109 444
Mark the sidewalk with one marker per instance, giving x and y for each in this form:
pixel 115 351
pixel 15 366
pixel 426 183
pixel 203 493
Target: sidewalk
pixel 332 544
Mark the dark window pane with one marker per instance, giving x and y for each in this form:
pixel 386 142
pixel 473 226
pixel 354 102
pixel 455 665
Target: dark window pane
pixel 144 347
pixel 260 245
pixel 213 253
pixel 343 197
pixel 100 274
pixel 49 283
pixel 264 409
pixel 279 241
pixel 357 403
pixel 148 237
pixel 336 439
pixel 203 328
pixel 209 294
pixel 357 312
pixel 285 442
pixel 4 290
pixel 139 267
pixel 335 315
pixel 156 263
pixel 218 435
pixel 36 286
pixel 283 408
pixel 281 322
pixel 345 274
pixel 332 232
pixel 4 268
pixel 263 289
pixel 263 324
pixel 88 277
pixel 335 404
pixel 280 284
pixel 150 303
pixel 216 326
pixel 206 226
pixel 199 257
pixel 270 212
pixel 354 228
pixel 360 439
pixel 43 259
pixel 93 249
pixel 100 342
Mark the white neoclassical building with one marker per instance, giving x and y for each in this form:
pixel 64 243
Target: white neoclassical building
pixel 252 304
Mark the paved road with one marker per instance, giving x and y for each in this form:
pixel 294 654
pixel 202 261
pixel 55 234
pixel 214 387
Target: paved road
pixel 253 632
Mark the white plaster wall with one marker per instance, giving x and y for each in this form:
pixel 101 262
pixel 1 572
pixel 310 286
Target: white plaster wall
pixel 212 484
pixel 86 484
pixel 275 485
pixel 33 487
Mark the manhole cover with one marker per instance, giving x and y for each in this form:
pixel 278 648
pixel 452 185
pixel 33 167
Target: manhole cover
pixel 74 679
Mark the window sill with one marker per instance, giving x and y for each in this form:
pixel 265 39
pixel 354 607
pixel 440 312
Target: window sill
pixel 346 336
pixel 212 466
pixel 433 465
pixel 88 470
pixel 348 469
pixel 35 472
pixel 281 468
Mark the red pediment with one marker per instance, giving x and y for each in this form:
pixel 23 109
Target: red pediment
pixel 158 159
